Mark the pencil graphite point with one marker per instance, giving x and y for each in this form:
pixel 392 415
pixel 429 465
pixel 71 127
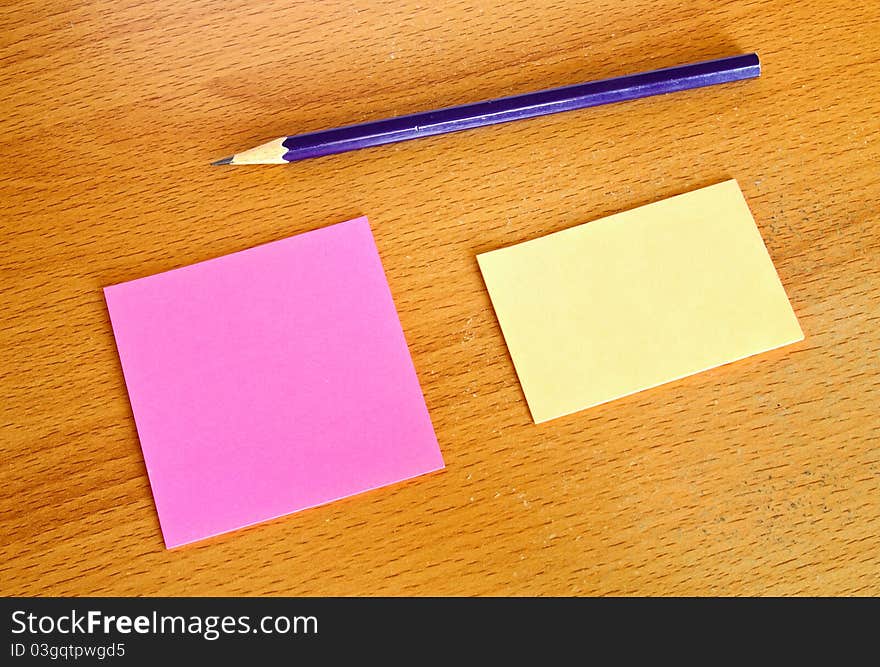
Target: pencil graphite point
pixel 226 160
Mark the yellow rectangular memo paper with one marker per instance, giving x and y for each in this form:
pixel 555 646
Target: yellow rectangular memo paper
pixel 631 301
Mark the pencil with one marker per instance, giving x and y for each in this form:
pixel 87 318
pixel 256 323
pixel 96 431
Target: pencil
pixel 501 110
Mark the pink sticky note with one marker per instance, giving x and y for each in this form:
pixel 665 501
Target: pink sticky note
pixel 270 380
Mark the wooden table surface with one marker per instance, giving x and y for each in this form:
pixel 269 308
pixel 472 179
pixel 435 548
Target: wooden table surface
pixel 760 477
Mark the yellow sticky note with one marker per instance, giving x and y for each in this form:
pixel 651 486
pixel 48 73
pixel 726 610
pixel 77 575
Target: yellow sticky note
pixel 631 301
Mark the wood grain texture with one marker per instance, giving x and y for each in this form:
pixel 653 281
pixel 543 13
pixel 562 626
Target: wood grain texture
pixel 761 477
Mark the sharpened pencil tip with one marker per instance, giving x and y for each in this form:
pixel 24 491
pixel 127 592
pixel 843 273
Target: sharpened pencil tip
pixel 226 160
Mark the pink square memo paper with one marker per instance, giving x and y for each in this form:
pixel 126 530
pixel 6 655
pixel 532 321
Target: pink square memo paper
pixel 270 380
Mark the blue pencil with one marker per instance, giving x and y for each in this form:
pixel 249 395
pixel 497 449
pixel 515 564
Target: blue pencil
pixel 501 110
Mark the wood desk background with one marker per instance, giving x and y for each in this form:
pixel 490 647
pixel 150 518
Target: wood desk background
pixel 762 477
